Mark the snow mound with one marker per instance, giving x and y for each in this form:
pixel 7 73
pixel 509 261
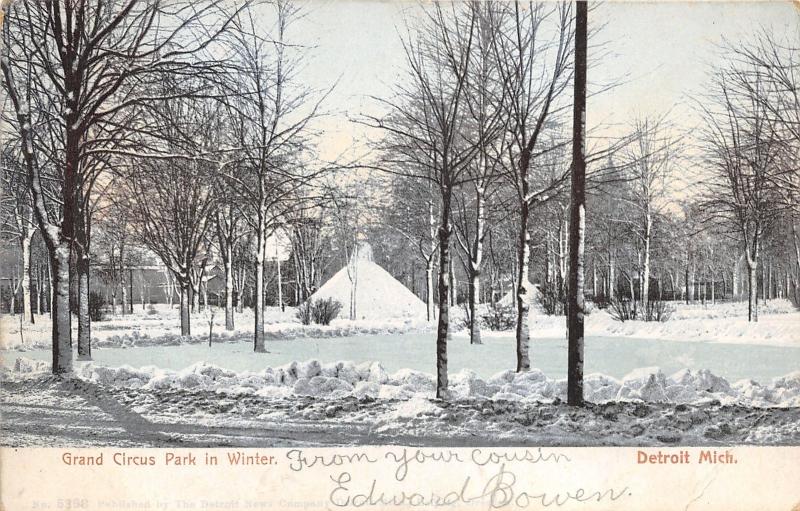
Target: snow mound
pixel 378 295
pixel 371 380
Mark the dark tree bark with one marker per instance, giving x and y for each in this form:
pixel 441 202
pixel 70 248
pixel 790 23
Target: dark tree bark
pixel 575 309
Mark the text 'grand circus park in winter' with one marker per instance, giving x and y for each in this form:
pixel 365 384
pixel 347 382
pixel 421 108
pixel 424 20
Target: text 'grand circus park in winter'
pixel 271 223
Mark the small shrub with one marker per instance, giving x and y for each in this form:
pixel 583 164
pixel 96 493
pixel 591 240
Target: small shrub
pixel 323 311
pixel 151 310
pixel 500 318
pixel 658 310
pixel 624 309
pixel 304 313
pixel 96 306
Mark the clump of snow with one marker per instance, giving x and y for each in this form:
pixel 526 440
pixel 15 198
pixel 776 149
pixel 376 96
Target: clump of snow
pixel 371 380
pixel 416 407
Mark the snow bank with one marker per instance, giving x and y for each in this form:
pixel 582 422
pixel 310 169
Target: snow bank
pixel 370 380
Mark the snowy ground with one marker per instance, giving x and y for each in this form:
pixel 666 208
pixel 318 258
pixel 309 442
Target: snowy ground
pixel 373 383
pixel 722 322
pixel 43 410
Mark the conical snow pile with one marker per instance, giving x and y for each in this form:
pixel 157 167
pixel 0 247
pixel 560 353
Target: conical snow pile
pixel 377 294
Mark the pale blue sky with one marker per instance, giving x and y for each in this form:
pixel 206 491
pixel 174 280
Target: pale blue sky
pixel 662 50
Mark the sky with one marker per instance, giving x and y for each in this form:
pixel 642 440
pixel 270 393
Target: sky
pixel 660 53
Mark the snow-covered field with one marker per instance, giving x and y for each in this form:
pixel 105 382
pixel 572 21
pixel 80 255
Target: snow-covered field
pixel 778 325
pixel 371 382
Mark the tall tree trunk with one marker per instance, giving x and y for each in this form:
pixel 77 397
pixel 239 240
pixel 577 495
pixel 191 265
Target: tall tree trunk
pixel 646 264
pixel 443 327
pixel 186 327
pixel 548 270
pixel 40 289
pixel 429 287
pixel 575 308
pixel 196 292
pixel 612 279
pixel 451 274
pixel 258 306
pixel 124 295
pixel 27 304
pixel 752 281
pixel 280 280
pixel 523 298
pixel 130 290
pixel 474 293
pixel 229 319
pixel 62 318
pixel 84 321
pixel 476 259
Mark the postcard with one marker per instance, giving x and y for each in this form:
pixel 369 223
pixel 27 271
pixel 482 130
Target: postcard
pixel 341 254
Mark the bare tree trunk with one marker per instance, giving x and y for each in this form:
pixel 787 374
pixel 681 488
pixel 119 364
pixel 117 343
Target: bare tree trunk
pixel 451 274
pixel 196 296
pixel 124 294
pixel 50 286
pixel 443 328
pixel 62 319
pixel 752 304
pixel 229 319
pixel 186 327
pixel 577 218
pixel 280 281
pixel 84 321
pixel 40 289
pixel 612 279
pixel 646 264
pixel 130 290
pixel 258 306
pixel 27 304
pixel 475 261
pixel 429 287
pixel 474 293
pixel 523 299
pixel 12 287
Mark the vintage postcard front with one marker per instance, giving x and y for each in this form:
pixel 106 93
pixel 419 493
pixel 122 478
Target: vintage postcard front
pixel 278 254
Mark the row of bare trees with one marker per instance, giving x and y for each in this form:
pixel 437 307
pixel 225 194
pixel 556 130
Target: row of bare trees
pixel 172 122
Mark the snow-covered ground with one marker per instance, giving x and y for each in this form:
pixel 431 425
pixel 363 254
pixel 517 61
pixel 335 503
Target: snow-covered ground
pixel 40 409
pixel 160 325
pixel 372 382
pixel 778 325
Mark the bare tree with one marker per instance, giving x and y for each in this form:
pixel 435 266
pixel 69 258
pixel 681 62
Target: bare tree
pixel 427 136
pixel 270 117
pixel 577 219
pixel 649 161
pixel 94 62
pixel 18 220
pixel 741 144
pixel 534 60
pixel 172 199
